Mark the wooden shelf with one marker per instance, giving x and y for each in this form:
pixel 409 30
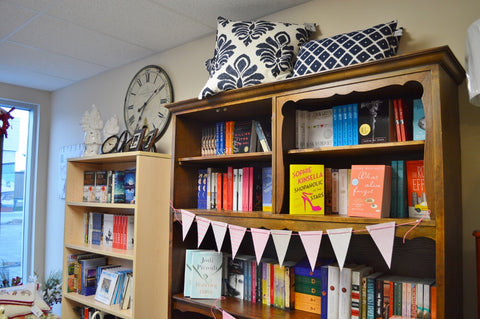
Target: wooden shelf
pixel 91 302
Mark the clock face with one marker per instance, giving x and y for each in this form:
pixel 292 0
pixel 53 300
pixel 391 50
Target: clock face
pixel 110 144
pixel 145 101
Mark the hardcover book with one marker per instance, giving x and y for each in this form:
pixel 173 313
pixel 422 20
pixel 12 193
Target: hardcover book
pixel 419 124
pixel 89 186
pixel 97 228
pixel 244 137
pixel 321 128
pixel 101 190
pixel 307 189
pixel 129 182
pixel 206 274
pixel 370 191
pixel 417 201
pixel 376 122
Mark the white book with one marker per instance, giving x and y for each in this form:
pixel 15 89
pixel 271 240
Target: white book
pixel 345 292
pixel 240 189
pixel 321 128
pixel 108 230
pixel 235 189
pixel 357 275
pixel 343 191
pixel 333 295
pixel 130 229
pixel 106 287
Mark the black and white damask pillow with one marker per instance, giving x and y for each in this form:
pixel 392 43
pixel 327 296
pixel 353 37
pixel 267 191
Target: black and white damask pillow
pixel 345 49
pixel 252 52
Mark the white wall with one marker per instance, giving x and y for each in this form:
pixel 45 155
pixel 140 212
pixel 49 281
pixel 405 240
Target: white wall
pixel 428 23
pixel 42 98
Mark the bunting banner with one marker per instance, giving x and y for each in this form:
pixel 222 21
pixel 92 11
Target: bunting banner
pixel 236 237
pixel 311 242
pixel 226 315
pixel 340 239
pixel 281 239
pixel 202 227
pixel 383 236
pixel 260 239
pixel 187 220
pixel 219 231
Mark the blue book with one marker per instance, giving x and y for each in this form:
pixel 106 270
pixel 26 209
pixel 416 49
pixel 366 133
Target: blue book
pixel 119 187
pixel 202 189
pixel 97 228
pixel 418 120
pixel 129 185
pixel 336 136
pixel 394 190
pixel 267 189
pixel 324 287
pixel 206 274
pixel 344 112
pixel 187 283
pixel 303 268
pixel 355 124
pixel 89 274
pixel 402 207
pixel 371 280
pixel 349 124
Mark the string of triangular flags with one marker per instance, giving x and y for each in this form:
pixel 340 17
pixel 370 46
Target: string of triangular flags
pixel 382 234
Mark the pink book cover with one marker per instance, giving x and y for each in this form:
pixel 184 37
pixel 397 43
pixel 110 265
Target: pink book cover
pixel 245 189
pixel 370 191
pixel 250 189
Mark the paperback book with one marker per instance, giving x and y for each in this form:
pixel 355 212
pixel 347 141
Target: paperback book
pixel 307 189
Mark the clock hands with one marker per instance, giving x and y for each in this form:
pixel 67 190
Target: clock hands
pixel 142 108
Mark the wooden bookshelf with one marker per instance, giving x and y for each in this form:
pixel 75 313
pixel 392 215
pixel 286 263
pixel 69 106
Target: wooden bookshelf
pixel 432 249
pixel 151 211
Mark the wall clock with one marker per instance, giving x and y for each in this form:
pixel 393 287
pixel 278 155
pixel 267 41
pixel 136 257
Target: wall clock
pixel 147 94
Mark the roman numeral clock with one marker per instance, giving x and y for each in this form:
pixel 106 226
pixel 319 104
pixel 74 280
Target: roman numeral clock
pixel 144 107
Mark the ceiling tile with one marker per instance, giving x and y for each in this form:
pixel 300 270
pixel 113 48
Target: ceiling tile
pixel 37 5
pixel 58 36
pixel 139 22
pixel 21 77
pixel 37 60
pixel 12 18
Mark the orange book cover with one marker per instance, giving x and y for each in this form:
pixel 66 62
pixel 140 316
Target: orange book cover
pixel 307 189
pixel 229 188
pixel 397 120
pixel 225 191
pixel 433 302
pixel 417 201
pixel 370 191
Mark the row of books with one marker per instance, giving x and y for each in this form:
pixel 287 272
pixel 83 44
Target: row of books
pixel 107 186
pixel 109 230
pixel 238 189
pixel 377 121
pixel 233 137
pixel 114 286
pixel 370 191
pixel 86 312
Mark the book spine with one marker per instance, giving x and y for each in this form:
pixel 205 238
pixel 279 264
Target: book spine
pixel 355 124
pixel 343 192
pixel 219 191
pixel 378 299
pixel 324 292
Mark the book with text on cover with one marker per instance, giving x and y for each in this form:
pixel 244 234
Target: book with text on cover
pixel 417 200
pixel 307 189
pixel 370 191
pixel 206 274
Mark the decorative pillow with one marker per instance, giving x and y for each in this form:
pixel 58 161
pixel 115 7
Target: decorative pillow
pixel 252 52
pixel 344 49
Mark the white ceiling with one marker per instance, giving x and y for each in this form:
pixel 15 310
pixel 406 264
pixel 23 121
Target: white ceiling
pixel 50 44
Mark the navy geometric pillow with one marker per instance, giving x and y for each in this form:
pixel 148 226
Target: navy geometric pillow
pixel 252 52
pixel 345 49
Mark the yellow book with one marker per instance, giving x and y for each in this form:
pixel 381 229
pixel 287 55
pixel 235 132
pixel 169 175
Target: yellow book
pixel 307 185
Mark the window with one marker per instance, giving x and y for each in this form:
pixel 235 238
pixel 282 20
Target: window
pixel 17 200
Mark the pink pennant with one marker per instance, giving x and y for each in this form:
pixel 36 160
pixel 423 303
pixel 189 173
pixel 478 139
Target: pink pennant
pixel 311 242
pixel 281 239
pixel 260 239
pixel 187 220
pixel 236 237
pixel 340 239
pixel 383 236
pixel 226 315
pixel 202 227
pixel 219 230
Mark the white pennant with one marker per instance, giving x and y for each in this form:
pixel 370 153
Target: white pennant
pixel 281 239
pixel 340 239
pixel 260 239
pixel 311 242
pixel 236 237
pixel 383 236
pixel 202 227
pixel 187 220
pixel 226 315
pixel 219 231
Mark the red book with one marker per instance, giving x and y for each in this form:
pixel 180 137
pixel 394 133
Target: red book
pixel 401 120
pixel 219 191
pixel 250 189
pixel 229 188
pixel 245 189
pixel 370 191
pixel 225 191
pixel 272 284
pixel 417 200
pixel 397 120
pixel 433 301
pixel 115 231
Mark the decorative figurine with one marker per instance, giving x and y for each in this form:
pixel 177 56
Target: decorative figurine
pixel 92 124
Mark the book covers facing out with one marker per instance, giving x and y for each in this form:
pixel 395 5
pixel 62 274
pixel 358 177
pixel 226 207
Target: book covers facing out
pixel 204 275
pixel 417 201
pixel 375 122
pixel 370 191
pixel 307 189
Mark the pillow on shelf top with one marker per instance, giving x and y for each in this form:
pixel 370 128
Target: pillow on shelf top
pixel 377 42
pixel 252 52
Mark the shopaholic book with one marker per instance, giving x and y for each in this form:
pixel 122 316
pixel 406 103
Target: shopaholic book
pixel 370 191
pixel 206 274
pixel 307 189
